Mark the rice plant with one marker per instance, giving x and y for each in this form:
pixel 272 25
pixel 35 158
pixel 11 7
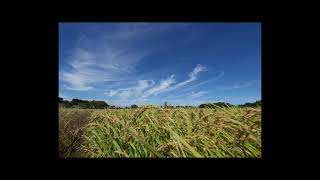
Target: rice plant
pixel 229 132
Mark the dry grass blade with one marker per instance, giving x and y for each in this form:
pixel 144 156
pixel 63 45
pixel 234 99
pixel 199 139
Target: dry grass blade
pixel 221 132
pixel 145 144
pixel 194 152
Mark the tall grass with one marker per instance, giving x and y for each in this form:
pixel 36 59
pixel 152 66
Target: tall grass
pixel 157 132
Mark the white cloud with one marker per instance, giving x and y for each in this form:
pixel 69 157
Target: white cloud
pixel 130 32
pixel 198 94
pixel 192 77
pixel 144 84
pixel 135 91
pixel 196 70
pixel 146 88
pixel 96 60
pixel 100 57
pixel 82 59
pixel 239 85
pixel 220 75
pixel 89 68
pixel 77 81
pixel 185 96
pixel 161 87
pixel 111 92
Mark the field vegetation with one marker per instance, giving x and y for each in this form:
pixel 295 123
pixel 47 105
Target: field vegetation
pixel 159 132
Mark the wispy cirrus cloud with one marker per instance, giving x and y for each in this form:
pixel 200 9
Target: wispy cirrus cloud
pixel 146 88
pixel 128 63
pixel 135 91
pixel 190 96
pixel 192 77
pixel 140 30
pixel 161 87
pixel 220 75
pixel 198 94
pixel 109 53
pixel 89 68
pixel 165 86
pixel 239 85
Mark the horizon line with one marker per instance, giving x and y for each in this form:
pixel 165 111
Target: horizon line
pixel 161 104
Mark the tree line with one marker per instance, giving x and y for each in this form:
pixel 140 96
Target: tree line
pixel 255 104
pixel 223 104
pixel 84 104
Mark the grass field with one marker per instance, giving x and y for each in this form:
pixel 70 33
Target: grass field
pixel 230 132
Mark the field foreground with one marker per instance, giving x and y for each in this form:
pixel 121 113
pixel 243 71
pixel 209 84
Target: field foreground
pixel 231 132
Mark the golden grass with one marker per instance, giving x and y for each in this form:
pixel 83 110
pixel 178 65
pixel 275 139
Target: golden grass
pixel 230 132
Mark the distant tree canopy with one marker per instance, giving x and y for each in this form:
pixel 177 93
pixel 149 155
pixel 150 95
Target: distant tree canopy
pixel 60 100
pixel 222 104
pixel 255 104
pixel 84 104
pixel 134 106
pixel 166 105
pixel 215 105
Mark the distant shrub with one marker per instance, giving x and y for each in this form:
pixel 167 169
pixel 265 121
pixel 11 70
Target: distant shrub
pixel 255 104
pixel 134 106
pixel 215 105
pixel 83 104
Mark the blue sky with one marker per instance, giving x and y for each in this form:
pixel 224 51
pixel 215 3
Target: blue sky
pixel 150 63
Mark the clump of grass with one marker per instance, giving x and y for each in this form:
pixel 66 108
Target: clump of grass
pixel 71 125
pixel 156 132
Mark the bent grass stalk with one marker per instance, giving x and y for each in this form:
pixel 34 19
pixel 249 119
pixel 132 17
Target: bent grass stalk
pixel 223 132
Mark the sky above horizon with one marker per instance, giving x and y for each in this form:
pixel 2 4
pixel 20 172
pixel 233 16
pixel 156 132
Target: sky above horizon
pixel 150 63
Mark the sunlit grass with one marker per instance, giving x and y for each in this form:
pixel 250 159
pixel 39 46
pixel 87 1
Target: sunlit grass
pixel 230 132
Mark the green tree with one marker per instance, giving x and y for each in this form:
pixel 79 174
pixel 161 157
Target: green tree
pixel 134 106
pixel 165 104
pixel 99 104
